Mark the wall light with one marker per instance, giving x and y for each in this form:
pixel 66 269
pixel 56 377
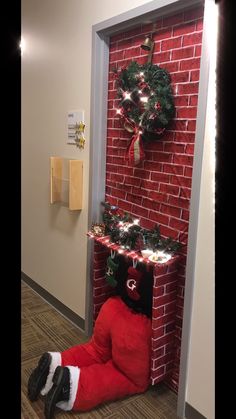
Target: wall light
pixel 22 45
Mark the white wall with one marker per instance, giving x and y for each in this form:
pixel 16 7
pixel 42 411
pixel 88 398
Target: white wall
pixel 56 70
pixel 201 375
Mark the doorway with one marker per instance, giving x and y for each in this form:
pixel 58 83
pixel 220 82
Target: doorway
pixel 99 94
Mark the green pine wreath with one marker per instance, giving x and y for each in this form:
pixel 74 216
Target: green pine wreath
pixel 145 98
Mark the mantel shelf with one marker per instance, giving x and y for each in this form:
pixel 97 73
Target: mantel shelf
pixel 132 254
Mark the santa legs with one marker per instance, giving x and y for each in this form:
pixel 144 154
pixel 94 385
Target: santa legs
pixel 115 363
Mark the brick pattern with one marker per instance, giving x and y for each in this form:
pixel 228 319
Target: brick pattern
pixel 101 290
pixel 158 190
pixel 163 322
pixel 163 308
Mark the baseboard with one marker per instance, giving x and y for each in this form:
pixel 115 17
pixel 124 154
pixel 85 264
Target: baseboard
pixel 191 413
pixel 58 305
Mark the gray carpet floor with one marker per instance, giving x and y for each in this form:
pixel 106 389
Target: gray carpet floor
pixel 44 329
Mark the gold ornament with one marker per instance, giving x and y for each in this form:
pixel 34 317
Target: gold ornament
pixel 79 134
pixel 98 229
pixel 81 142
pixel 148 45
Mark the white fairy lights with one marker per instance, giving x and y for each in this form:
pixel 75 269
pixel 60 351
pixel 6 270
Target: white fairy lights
pixel 144 99
pixel 127 95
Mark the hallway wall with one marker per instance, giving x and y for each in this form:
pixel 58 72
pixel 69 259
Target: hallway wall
pixel 56 71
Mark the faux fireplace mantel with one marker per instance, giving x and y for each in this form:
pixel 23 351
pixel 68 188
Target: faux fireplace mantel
pixel 130 254
pixel 165 278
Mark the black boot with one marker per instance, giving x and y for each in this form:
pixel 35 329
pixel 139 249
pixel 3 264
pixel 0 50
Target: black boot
pixel 38 377
pixel 60 390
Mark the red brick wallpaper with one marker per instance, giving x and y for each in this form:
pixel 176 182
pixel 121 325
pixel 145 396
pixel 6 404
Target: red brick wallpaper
pixel 158 190
pixel 165 282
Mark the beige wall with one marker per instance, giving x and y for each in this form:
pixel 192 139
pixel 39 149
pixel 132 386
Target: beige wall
pixel 201 375
pixel 56 69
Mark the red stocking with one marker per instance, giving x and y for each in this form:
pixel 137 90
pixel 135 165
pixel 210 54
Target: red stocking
pixel 133 282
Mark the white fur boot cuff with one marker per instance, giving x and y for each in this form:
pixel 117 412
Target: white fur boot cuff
pixel 74 382
pixel 56 360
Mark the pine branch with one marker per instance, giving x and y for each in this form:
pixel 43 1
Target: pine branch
pixel 129 237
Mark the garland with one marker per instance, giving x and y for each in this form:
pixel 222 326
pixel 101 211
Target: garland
pixel 146 104
pixel 126 231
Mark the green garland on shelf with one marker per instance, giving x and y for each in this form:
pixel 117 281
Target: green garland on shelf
pixel 125 231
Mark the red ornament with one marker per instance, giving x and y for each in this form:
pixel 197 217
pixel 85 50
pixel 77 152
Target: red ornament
pixel 143 85
pixel 157 106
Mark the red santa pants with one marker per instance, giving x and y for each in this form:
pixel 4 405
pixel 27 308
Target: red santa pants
pixel 115 362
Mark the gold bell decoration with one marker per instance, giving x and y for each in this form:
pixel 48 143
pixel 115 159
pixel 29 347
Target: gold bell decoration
pixel 148 45
pixel 79 134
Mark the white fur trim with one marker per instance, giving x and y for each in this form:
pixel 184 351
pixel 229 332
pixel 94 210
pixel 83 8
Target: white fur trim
pixel 55 361
pixel 74 382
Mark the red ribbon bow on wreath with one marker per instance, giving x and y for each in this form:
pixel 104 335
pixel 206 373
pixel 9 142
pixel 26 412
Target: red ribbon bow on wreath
pixel 135 152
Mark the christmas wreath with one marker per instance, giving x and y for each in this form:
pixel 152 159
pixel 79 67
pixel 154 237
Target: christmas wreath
pixel 146 104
